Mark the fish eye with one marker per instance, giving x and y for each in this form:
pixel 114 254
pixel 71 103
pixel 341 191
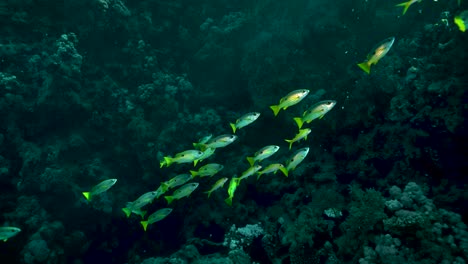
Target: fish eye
pixel 328 103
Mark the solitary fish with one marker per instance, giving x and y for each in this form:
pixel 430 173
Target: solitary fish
pixel 273 168
pixel 244 120
pixel 99 188
pixel 207 170
pixel 218 184
pixel 7 232
pixel 187 156
pixel 297 158
pixel 302 134
pixel 376 54
pixel 156 216
pixel 262 154
pixel 406 5
pixel 290 99
pixel 182 192
pixel 231 190
pixel 318 110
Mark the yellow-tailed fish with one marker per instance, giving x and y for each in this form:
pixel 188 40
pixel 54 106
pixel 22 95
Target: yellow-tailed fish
pixel 160 191
pixel 206 154
pixel 202 141
pixel 217 142
pixel 249 172
pixel 262 154
pixel 182 192
pixel 7 232
pixel 273 168
pixel 290 99
pixel 406 5
pixel 99 188
pixel 297 158
pixel 462 20
pixel 156 217
pixel 207 170
pixel 187 156
pixel 244 120
pixel 231 190
pixel 218 184
pixel 302 134
pixel 376 54
pixel 178 180
pixel 318 110
pixel 135 206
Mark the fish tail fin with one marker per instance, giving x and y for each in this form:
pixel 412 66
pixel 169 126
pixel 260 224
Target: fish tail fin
pixel 460 23
pixel 405 5
pixel 169 199
pixel 259 175
pixel 228 201
pixel 194 173
pixel 290 141
pixel 299 122
pixel 168 161
pixel 87 195
pixel 233 126
pixel 275 109
pixel 144 224
pixel 284 171
pixel 127 212
pixel 142 214
pixel 209 193
pixel 365 66
pixel 251 161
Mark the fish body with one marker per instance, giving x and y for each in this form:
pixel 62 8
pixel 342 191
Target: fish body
pixel 262 154
pixel 187 156
pixel 302 134
pixel 156 217
pixel 249 172
pixel 135 206
pixel 376 54
pixel 206 154
pixel 218 184
pixel 297 158
pixel 207 170
pixel 221 141
pixel 273 168
pixel 461 20
pixel 182 192
pixel 99 188
pixel 290 99
pixel 406 5
pixel 178 180
pixel 318 110
pixel 244 121
pixel 7 232
pixel 231 190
